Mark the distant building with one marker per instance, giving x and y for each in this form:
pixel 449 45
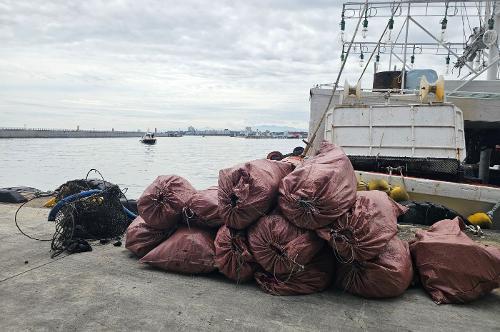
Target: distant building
pixel 247 132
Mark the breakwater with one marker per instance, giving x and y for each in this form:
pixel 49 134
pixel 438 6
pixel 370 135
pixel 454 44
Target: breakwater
pixel 78 133
pixel 71 133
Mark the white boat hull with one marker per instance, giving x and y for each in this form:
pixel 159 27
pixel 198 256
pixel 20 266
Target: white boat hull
pixel 465 199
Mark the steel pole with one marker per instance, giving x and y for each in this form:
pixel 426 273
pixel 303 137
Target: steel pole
pixel 493 51
pixel 403 70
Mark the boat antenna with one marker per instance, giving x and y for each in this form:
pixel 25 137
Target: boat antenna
pixel 313 137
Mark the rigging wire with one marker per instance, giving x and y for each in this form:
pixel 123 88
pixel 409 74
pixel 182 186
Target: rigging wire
pixel 463 25
pixel 313 137
pixel 467 17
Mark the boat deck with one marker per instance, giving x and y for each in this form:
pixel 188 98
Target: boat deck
pixel 107 289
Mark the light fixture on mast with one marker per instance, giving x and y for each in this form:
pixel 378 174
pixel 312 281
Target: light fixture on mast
pixel 448 64
pixel 364 31
pixel 389 30
pixel 444 23
pixel 412 58
pixel 342 29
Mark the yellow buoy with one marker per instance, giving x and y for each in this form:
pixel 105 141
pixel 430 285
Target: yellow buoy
pixel 480 219
pixel 362 186
pixel 379 184
pixel 399 194
pixel 50 203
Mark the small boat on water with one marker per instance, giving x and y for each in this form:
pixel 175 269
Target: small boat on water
pixel 148 138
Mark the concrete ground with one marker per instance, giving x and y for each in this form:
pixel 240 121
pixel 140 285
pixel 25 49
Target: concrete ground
pixel 107 289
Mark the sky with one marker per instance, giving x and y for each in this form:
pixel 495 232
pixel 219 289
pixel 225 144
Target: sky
pixel 166 64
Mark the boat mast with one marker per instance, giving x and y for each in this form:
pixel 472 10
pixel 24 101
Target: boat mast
pixel 403 70
pixel 493 11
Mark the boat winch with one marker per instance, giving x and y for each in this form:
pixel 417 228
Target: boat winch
pixel 437 88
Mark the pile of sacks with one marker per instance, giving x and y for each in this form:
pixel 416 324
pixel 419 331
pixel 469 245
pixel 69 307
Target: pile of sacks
pixel 295 229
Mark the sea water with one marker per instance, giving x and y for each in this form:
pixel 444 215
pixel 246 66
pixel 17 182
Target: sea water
pixel 47 163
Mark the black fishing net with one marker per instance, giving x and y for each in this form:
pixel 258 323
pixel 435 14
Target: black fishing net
pixel 432 168
pixel 97 217
pixel 426 213
pixel 80 218
pixel 76 186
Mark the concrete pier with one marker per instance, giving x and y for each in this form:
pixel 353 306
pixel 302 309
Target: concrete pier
pixel 108 289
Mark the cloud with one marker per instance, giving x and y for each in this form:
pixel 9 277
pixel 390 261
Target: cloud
pixel 165 64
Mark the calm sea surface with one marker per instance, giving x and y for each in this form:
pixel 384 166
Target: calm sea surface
pixel 47 163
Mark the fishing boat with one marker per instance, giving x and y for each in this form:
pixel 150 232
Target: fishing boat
pixel 148 138
pixel 437 138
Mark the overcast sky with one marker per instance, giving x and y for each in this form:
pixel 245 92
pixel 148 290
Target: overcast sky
pixel 166 64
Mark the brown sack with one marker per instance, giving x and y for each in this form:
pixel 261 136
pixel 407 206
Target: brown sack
pixel 188 250
pixel 363 232
pixel 202 209
pixel 316 276
pixel 280 247
pixel 452 267
pixel 141 238
pixel 248 191
pixel 387 275
pixel 319 190
pixel 161 203
pixel 232 255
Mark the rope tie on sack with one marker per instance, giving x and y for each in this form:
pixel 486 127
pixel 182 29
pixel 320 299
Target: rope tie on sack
pixel 308 206
pixel 282 255
pixel 340 235
pixel 188 215
pixel 233 199
pixel 300 267
pixel 272 278
pixel 355 269
pixel 238 252
pixel 239 265
pixel 160 197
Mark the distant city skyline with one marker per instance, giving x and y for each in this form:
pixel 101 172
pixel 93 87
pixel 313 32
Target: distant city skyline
pixel 264 127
